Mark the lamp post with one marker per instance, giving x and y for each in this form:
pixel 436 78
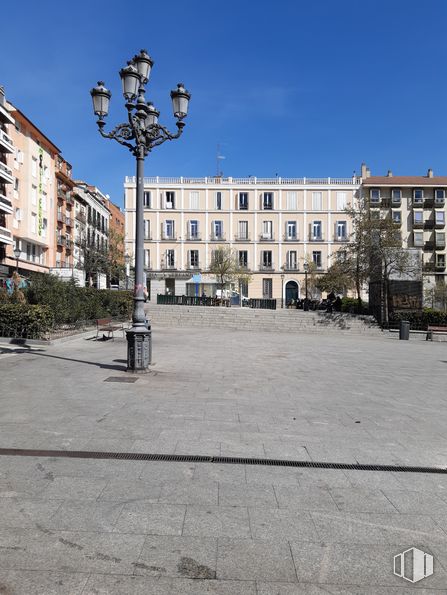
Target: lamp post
pixel 140 134
pixel 282 291
pixel 17 253
pixel 127 261
pixel 306 303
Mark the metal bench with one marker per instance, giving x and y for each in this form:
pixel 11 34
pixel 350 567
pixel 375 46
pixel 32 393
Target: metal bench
pixel 437 330
pixel 106 325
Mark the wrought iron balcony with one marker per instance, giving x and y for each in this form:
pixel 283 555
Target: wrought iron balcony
pixel 290 266
pixel 290 237
pixel 266 237
pixel 266 266
pixel 193 237
pixel 217 237
pixel 241 237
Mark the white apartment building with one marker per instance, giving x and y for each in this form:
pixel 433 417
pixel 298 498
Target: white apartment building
pixel 274 224
pixel 91 228
pixel 7 149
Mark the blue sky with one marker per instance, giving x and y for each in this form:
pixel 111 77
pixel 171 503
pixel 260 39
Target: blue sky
pixel 292 87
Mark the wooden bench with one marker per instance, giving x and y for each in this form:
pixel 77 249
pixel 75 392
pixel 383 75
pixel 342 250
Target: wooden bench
pixel 441 330
pixel 107 325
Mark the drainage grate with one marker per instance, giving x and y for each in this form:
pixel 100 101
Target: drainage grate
pixel 121 379
pixel 140 456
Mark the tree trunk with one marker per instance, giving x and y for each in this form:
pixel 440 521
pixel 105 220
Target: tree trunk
pixel 385 300
pixel 358 286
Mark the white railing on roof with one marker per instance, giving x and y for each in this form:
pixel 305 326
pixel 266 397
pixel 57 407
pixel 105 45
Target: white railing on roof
pixel 277 181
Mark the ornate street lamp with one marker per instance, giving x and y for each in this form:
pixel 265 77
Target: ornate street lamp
pixel 306 303
pixel 127 261
pixel 140 135
pixel 17 253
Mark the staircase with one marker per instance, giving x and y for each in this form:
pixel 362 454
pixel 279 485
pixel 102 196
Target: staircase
pixel 261 320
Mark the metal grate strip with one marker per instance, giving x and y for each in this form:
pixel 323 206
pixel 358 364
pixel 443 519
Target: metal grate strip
pixel 168 458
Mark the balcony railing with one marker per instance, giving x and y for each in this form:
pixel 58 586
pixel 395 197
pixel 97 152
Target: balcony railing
pixel 69 221
pixel 60 240
pixel 68 243
pixel 6 172
pixel 5 235
pixel 252 180
pixel 439 223
pixel 193 237
pixel 69 198
pixel 340 238
pixel 439 202
pixel 266 266
pixel 6 141
pixel 60 217
pixel 313 238
pixel 5 205
pixel 241 237
pixel 290 237
pixel 266 237
pixel 80 216
pixel 62 264
pixel 290 266
pixel 192 267
pixel 440 265
pixel 168 236
pixel 167 266
pixel 217 237
pixel 418 224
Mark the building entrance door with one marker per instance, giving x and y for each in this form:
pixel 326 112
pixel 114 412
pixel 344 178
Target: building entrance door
pixel 292 292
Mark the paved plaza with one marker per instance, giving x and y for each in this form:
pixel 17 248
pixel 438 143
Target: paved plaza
pixel 73 526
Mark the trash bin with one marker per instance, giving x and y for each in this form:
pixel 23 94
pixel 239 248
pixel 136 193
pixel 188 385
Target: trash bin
pixel 404 330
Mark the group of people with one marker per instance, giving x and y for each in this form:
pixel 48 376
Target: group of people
pixel 330 304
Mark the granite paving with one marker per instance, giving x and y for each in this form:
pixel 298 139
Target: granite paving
pixel 72 526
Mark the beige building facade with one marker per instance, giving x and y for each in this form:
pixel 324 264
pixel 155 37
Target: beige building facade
pixel 417 204
pixel 274 225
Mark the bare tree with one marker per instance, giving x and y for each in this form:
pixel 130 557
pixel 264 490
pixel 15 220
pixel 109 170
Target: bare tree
pixel 225 267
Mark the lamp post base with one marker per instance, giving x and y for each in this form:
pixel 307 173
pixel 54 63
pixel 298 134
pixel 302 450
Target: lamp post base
pixel 139 349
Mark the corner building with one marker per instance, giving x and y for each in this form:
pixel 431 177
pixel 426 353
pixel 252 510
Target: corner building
pixel 274 225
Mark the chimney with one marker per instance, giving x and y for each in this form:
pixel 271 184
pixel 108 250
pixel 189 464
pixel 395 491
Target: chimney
pixel 430 173
pixel 363 170
pixel 389 174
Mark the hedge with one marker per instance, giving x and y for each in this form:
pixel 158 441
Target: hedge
pixel 25 321
pixel 351 305
pixel 70 303
pixel 420 320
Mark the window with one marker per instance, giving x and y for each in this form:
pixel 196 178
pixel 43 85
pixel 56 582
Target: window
pixel 317 201
pixel 440 239
pixel 418 238
pixel 341 201
pixel 16 185
pixel 194 201
pixel 170 200
pixel 341 230
pixel 266 259
pixel 267 201
pixel 243 259
pixel 147 259
pixel 218 201
pixel 243 201
pixel 170 259
pixel 193 259
pixel 33 222
pixel 243 288
pixel 440 217
pixel 418 217
pixel 291 201
pixel 44 227
pixel 194 230
pixel 34 167
pixel 217 230
pixel 440 195
pixel 267 233
pixel 316 259
pixel 147 229
pixel 316 231
pixel 147 199
pixel 374 195
pixel 418 195
pixel 291 233
pixel 440 261
pixel 397 217
pixel 291 260
pixel 44 201
pixel 34 195
pixel 18 215
pixel 396 195
pixel 169 229
pixel 267 289
pixel 243 230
